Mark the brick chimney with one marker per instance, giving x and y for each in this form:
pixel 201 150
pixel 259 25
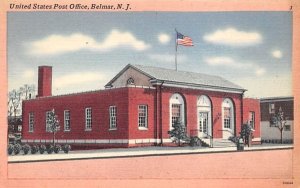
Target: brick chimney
pixel 45 81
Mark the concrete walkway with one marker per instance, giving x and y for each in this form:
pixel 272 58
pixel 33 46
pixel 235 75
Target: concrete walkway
pixel 135 152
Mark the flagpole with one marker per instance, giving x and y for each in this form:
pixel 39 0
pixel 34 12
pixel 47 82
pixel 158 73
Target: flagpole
pixel 176 45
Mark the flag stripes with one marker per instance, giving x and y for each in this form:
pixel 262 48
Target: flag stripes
pixel 184 40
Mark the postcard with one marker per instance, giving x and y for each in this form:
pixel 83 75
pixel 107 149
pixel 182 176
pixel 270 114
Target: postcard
pixel 137 93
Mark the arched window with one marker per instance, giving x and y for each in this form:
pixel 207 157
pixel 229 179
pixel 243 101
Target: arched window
pixel 204 116
pixel 228 118
pixel 177 106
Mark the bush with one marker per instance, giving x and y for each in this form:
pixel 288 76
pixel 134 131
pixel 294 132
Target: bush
pixel 50 149
pixel 26 149
pixel 42 149
pixel 57 148
pixel 17 148
pixel 34 149
pixel 66 148
pixel 195 141
pixel 10 149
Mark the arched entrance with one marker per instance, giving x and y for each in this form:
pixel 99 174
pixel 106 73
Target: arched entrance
pixel 204 117
pixel 228 115
pixel 177 109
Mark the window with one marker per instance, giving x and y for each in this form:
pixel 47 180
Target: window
pixel 130 81
pixel 287 128
pixel 31 122
pixel 48 123
pixel 112 117
pixel 252 119
pixel 176 108
pixel 67 125
pixel 88 119
pixel 227 118
pixel 143 116
pixel 272 108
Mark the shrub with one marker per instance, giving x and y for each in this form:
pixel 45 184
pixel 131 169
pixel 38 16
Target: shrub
pixel 42 149
pixel 50 149
pixel 26 149
pixel 34 149
pixel 10 149
pixel 195 141
pixel 57 148
pixel 66 148
pixel 17 148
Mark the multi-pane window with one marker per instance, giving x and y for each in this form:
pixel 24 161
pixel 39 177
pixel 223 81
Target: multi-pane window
pixel 67 125
pixel 88 119
pixel 227 118
pixel 31 122
pixel 252 119
pixel 143 116
pixel 112 117
pixel 176 109
pixel 272 108
pixel 48 123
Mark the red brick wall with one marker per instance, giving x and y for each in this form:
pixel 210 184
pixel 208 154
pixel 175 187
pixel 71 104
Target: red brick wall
pixel 99 101
pixel 191 97
pixel 140 96
pixel 127 101
pixel 252 105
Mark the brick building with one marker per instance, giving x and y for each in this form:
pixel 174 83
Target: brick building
pixel 269 107
pixel 138 107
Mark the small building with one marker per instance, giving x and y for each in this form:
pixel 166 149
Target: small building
pixel 269 107
pixel 138 107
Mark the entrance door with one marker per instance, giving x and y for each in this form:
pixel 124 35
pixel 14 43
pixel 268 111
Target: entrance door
pixel 203 124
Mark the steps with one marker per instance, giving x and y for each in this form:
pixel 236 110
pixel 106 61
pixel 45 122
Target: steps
pixel 220 143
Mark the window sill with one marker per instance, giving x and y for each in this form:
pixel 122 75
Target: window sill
pixel 67 130
pixel 88 130
pixel 143 128
pixel 112 129
pixel 30 131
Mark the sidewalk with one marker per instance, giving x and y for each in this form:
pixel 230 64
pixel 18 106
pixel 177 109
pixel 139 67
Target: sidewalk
pixel 135 152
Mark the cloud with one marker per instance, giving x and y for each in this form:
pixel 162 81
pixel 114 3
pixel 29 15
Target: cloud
pixel 277 54
pixel 164 38
pixel 58 44
pixel 233 37
pixel 168 58
pixel 232 63
pixel 260 71
pixel 28 74
pixel 267 86
pixel 77 78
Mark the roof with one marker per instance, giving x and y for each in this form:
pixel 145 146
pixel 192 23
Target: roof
pixel 170 76
pixel 276 99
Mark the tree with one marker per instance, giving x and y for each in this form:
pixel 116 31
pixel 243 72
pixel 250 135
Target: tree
pixel 53 124
pixel 27 91
pixel 14 107
pixel 279 120
pixel 246 133
pixel 178 132
pixel 14 103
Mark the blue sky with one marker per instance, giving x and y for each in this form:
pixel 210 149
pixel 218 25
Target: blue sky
pixel 86 49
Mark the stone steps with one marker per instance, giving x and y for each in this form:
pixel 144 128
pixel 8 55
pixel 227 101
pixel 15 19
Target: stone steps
pixel 219 143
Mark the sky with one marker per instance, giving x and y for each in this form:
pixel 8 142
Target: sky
pixel 87 49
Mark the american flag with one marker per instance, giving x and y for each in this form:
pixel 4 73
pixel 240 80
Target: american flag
pixel 184 40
